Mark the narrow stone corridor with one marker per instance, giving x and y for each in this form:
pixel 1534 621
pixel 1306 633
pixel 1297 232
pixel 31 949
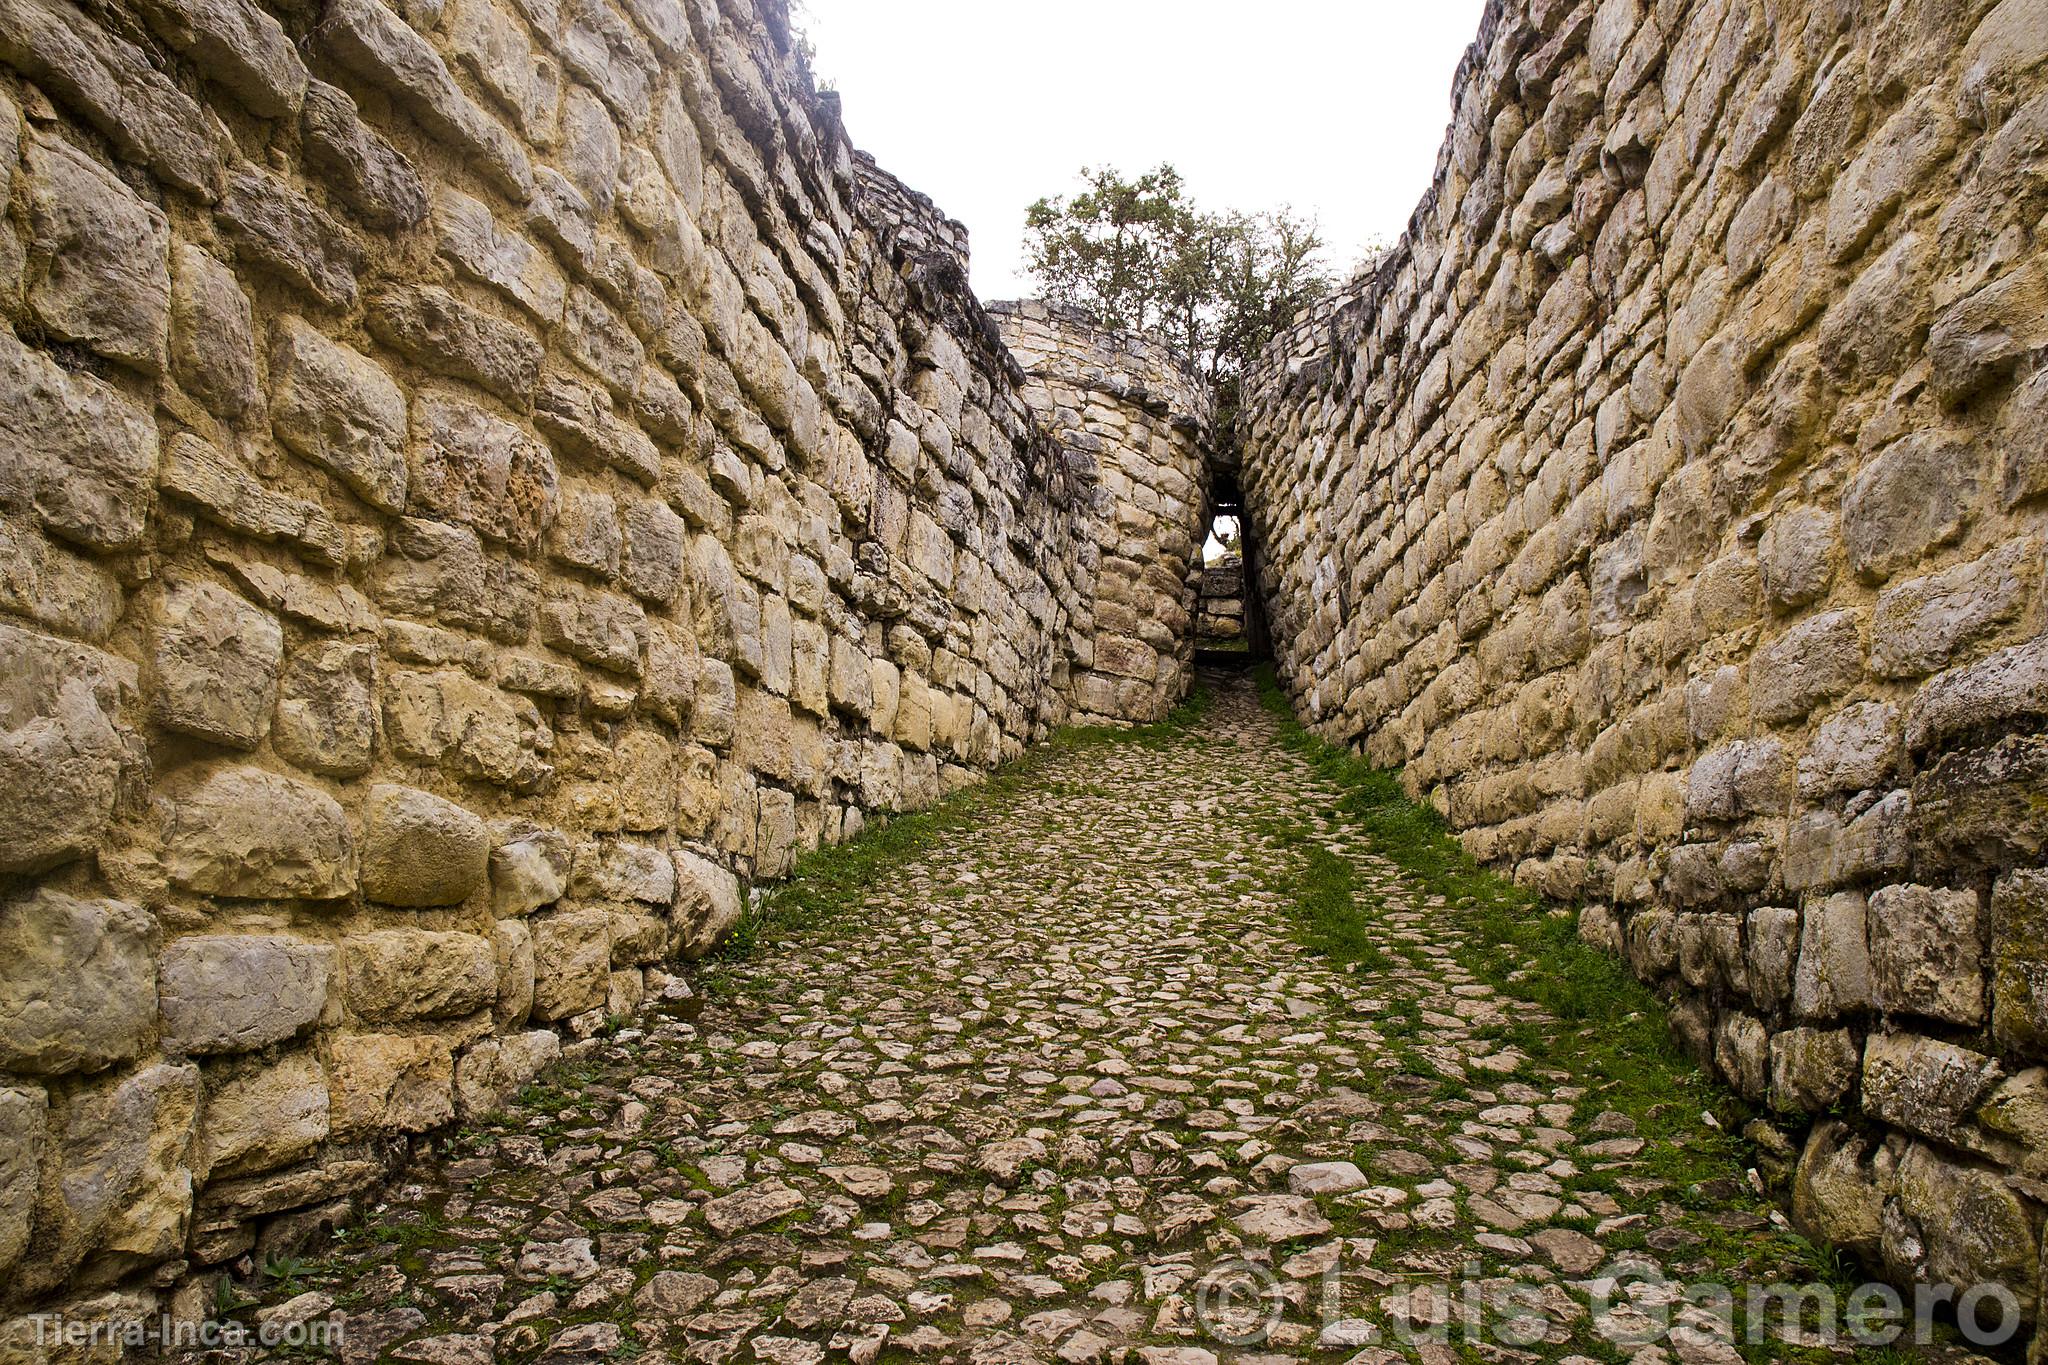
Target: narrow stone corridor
pixel 1067 1088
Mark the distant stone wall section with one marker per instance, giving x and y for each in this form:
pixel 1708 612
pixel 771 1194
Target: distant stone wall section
pixel 1669 506
pixel 1132 425
pixel 479 483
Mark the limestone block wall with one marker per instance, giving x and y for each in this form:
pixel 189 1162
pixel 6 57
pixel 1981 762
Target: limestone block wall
pixel 1132 424
pixel 1220 614
pixel 479 482
pixel 1670 506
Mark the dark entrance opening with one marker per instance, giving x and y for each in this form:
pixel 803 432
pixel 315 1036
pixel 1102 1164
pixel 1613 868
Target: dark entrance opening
pixel 1229 625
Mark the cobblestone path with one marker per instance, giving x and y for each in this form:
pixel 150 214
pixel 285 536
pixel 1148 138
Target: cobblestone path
pixel 1025 1101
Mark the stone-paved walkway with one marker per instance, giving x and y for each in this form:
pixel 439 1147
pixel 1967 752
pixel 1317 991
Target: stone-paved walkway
pixel 1022 1104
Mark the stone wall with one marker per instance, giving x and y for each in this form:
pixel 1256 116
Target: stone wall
pixel 1220 608
pixel 1670 505
pixel 478 484
pixel 1132 422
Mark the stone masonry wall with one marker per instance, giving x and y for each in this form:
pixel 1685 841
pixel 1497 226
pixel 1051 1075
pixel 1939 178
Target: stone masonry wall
pixel 1132 423
pixel 479 482
pixel 1670 506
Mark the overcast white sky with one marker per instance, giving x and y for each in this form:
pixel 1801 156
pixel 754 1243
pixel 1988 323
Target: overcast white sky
pixel 1335 107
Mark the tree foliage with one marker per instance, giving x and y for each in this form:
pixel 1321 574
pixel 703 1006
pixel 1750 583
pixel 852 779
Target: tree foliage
pixel 1139 253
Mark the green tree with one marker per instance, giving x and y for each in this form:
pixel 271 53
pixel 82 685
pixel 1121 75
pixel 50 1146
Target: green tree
pixel 1138 253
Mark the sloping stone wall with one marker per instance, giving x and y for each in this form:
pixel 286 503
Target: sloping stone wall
pixel 1132 424
pixel 1669 506
pixel 479 482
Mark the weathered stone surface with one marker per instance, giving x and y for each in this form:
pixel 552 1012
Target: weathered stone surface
pixel 1908 500
pixel 2019 963
pixel 1834 1196
pixel 599 628
pixel 1855 749
pixel 530 872
pixel 1977 1231
pixel 708 903
pixel 262 1116
pixel 397 975
pixel 24 1116
pixel 212 334
pixel 213 665
pixel 77 983
pixel 1812 1069
pixel 240 992
pixel 326 708
pixel 1833 977
pixel 74 452
pixel 1922 625
pixel 61 754
pixel 1927 955
pixel 99 266
pixel 340 410
pixel 385 1083
pixel 1809 664
pixel 2003 690
pixel 469 728
pixel 244 832
pixel 123 1187
pixel 371 175
pixel 572 962
pixel 482 471
pixel 494 1070
pixel 471 238
pixel 439 331
pixel 239 46
pixel 290 235
pixel 1924 1086
pixel 419 850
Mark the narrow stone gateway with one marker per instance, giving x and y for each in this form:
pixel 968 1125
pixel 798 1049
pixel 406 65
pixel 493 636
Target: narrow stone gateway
pixel 484 489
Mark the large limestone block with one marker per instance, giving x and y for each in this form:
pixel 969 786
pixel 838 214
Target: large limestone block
pixel 1927 953
pixel 439 331
pixel 368 173
pixel 470 728
pixel 1915 495
pixel 214 663
pixel 530 871
pixel 621 870
pixel 60 750
pixel 260 1117
pixel 213 337
pixel 600 628
pixel 326 708
pixel 2019 963
pixel 494 1070
pixel 24 1115
pixel 479 470
pixel 1835 1195
pixel 240 992
pixel 239 46
pixel 75 451
pixel 512 942
pixel 384 1083
pixel 1811 663
pixel 99 263
pixel 1997 694
pixel 419 850
pixel 1856 749
pixel 572 958
pixel 707 905
pixel 1976 1230
pixel 1833 977
pixel 1923 624
pixel 394 975
pixel 123 1185
pixel 340 410
pixel 273 225
pixel 1924 1086
pixel 77 983
pixel 247 833
pixel 1812 1069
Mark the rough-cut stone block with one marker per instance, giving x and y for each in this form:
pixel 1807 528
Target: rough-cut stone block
pixel 1976 1230
pixel 240 992
pixel 1853 750
pixel 530 871
pixel 2019 963
pixel 652 568
pixel 243 832
pixel 100 266
pixel 340 410
pixel 24 1114
pixel 439 331
pixel 1912 497
pixel 586 533
pixel 599 628
pixel 709 904
pixel 1739 779
pixel 470 728
pixel 326 709
pixel 1812 1069
pixel 572 956
pixel 1986 807
pixel 383 1083
pixel 480 470
pixel 239 46
pixel 1927 953
pixel 260 1117
pixel 273 224
pixel 123 1187
pixel 1796 557
pixel 2002 691
pixel 472 240
pixel 1835 1195
pixel 1833 978
pixel 1926 1087
pixel 419 850
pixel 212 336
pixel 74 452
pixel 370 175
pixel 77 983
pixel 494 1070
pixel 1921 626
pixel 214 663
pixel 1807 665
pixel 397 975
pixel 61 754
